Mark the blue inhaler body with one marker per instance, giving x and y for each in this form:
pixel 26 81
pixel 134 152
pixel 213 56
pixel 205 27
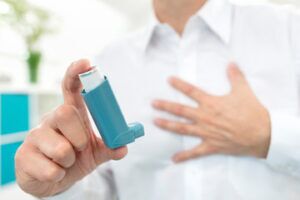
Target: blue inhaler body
pixel 106 112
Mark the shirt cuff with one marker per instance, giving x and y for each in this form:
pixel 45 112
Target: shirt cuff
pixel 284 154
pixel 73 193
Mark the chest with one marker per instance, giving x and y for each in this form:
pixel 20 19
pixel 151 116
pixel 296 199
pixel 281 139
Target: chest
pixel 269 71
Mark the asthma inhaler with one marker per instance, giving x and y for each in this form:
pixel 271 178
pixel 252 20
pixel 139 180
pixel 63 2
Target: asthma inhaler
pixel 105 111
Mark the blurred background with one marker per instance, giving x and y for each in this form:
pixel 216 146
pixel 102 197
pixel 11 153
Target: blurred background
pixel 38 40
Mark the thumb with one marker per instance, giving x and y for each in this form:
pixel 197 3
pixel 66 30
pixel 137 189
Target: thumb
pixel 71 87
pixel 236 77
pixel 71 84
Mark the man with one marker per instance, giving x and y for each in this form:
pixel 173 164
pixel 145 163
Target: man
pixel 227 128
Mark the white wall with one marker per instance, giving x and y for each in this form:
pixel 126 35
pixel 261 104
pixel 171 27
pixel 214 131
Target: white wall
pixel 85 27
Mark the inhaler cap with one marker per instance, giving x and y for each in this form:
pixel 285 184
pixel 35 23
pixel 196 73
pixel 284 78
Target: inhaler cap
pixel 91 79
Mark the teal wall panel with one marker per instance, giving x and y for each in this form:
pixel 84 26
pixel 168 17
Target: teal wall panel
pixel 7 162
pixel 14 118
pixel 14 113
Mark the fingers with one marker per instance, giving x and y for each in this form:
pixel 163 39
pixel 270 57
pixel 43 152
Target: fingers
pixel 188 89
pixel 181 128
pixel 54 146
pixel 176 109
pixel 67 120
pixel 36 165
pixel 203 149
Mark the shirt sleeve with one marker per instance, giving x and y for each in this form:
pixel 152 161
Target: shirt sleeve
pixel 98 185
pixel 284 152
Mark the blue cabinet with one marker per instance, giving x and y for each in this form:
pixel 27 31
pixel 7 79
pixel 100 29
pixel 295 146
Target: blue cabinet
pixel 7 162
pixel 14 113
pixel 14 123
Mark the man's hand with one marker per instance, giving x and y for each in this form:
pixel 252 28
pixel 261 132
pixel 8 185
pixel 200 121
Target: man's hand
pixel 64 148
pixel 235 124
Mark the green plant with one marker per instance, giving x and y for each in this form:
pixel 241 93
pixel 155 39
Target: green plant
pixel 32 23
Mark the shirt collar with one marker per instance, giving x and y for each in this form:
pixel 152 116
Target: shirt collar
pixel 216 13
pixel 147 36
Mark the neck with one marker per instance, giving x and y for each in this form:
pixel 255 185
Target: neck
pixel 176 13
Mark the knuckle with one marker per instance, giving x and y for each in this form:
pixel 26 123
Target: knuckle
pixel 211 104
pixel 62 151
pixel 212 149
pixel 65 112
pixel 182 128
pixel 164 124
pixel 178 109
pixel 196 154
pixel 34 132
pixel 51 173
pixel 193 154
pixel 206 119
pixel 33 135
pixel 190 90
pixel 19 156
pixel 216 111
pixel 214 104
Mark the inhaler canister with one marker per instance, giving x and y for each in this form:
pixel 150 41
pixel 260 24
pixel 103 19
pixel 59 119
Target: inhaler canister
pixel 105 111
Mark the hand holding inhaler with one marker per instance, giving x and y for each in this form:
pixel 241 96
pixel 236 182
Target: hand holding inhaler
pixel 63 149
pixel 106 112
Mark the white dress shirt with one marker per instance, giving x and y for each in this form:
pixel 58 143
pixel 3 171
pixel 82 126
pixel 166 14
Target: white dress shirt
pixel 265 42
